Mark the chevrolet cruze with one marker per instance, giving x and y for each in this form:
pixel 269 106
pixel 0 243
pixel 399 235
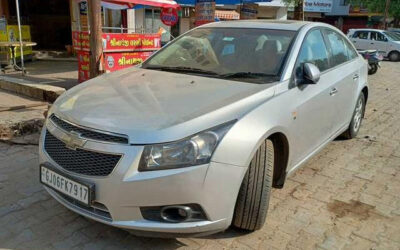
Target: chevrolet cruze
pixel 193 140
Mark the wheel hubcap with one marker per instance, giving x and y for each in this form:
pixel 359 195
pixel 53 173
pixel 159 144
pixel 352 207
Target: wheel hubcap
pixel 358 115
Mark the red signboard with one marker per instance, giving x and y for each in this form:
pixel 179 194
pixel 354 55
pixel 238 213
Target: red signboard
pixel 169 17
pixel 117 61
pixel 129 42
pixel 120 50
pixel 118 41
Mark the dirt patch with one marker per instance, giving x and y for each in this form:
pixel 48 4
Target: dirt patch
pixel 355 209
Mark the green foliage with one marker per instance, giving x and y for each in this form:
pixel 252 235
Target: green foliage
pixel 379 6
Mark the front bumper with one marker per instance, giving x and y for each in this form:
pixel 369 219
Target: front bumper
pixel 121 194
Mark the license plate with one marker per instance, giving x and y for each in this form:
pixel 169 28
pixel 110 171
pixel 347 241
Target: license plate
pixel 65 185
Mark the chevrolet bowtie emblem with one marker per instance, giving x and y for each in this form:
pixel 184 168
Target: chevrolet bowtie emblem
pixel 73 140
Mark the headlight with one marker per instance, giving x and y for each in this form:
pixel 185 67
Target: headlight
pixel 192 151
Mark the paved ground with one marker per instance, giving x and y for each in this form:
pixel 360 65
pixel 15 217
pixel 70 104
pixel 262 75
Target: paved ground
pixel 346 197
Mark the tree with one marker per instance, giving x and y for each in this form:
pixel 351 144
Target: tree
pixel 379 7
pixel 298 8
pixel 96 49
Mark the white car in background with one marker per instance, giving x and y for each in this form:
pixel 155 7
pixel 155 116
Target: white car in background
pixel 386 42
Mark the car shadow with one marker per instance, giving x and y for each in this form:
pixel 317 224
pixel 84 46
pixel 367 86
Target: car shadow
pixel 229 233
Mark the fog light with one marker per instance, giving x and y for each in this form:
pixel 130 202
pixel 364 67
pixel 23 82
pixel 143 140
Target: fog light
pixel 176 213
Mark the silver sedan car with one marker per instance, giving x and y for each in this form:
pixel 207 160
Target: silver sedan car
pixel 193 140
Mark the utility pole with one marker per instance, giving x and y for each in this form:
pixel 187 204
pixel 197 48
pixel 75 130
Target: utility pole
pixel 96 49
pixel 299 10
pixel 386 14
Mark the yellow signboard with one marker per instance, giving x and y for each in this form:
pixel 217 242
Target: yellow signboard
pixel 11 34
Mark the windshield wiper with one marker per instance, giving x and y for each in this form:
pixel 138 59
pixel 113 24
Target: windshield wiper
pixel 246 75
pixel 183 69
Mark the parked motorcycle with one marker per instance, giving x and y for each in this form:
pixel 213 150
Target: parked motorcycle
pixel 374 59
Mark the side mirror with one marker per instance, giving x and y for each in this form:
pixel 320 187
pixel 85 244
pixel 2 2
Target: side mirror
pixel 311 73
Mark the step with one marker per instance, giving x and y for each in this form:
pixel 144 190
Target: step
pixel 39 91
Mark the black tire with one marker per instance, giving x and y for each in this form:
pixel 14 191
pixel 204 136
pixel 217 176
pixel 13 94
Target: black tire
pixel 253 199
pixel 394 56
pixel 353 129
pixel 373 68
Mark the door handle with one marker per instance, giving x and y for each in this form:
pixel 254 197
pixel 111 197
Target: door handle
pixel 355 77
pixel 333 91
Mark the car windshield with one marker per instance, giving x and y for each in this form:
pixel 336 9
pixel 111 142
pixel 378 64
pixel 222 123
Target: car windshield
pixel 393 35
pixel 251 55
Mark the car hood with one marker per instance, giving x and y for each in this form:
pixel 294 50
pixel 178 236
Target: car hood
pixel 154 106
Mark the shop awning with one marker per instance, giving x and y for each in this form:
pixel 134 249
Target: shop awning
pixel 227 14
pixel 128 4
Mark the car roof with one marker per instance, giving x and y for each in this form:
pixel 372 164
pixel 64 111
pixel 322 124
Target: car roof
pixel 354 30
pixel 264 24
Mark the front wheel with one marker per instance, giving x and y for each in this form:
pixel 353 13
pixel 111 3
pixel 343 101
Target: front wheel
pixel 394 56
pixel 356 119
pixel 253 199
pixel 372 68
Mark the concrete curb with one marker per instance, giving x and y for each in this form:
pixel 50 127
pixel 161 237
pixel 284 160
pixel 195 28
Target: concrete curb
pixel 40 91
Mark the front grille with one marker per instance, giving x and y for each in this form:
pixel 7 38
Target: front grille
pixel 86 133
pixel 79 161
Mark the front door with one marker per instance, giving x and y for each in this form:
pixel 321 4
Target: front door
pixel 314 105
pixel 360 40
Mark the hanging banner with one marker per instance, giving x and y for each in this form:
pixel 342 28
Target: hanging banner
pixel 204 12
pixel 249 11
pixel 80 40
pixel 169 16
pixel 117 61
pixel 113 42
pixel 318 5
pixel 83 65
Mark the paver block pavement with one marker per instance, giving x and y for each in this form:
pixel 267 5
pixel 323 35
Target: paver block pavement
pixel 346 197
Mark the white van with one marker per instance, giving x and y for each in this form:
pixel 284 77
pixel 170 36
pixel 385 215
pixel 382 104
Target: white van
pixel 386 42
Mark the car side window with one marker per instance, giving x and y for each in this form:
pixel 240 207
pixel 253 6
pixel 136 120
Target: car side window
pixel 313 51
pixel 338 48
pixel 376 36
pixel 361 34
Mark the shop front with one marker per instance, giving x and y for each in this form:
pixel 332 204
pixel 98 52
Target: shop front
pixel 197 12
pixel 123 46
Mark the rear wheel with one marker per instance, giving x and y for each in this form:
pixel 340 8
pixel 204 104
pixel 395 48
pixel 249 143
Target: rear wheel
pixel 253 199
pixel 356 120
pixel 394 56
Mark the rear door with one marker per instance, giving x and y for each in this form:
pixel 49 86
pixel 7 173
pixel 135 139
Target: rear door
pixel 360 38
pixel 345 73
